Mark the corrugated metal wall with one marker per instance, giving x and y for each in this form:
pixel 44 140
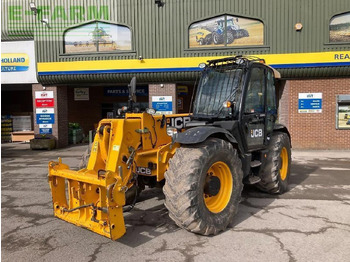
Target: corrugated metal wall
pixel 163 32
pixel 13 28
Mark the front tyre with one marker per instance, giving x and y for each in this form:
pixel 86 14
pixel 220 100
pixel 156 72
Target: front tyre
pixel 276 172
pixel 203 186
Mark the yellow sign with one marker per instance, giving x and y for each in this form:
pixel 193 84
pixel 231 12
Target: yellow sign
pixel 14 62
pixel 277 61
pixel 182 90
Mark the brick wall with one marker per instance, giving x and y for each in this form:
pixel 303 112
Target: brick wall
pixel 318 130
pixel 62 116
pixel 284 102
pixel 165 90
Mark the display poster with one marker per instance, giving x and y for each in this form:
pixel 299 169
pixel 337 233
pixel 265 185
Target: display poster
pixel 163 104
pixel 45 116
pixel 344 116
pixel 45 129
pixel 310 103
pixel 81 94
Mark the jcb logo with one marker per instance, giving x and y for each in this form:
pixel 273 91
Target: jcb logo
pixel 178 122
pixel 256 133
pixel 143 170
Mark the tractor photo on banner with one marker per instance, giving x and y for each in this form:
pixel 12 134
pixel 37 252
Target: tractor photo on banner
pixel 226 31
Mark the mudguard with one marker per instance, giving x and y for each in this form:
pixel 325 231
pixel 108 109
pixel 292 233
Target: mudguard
pixel 199 134
pixel 282 128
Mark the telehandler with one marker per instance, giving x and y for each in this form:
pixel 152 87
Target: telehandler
pixel 230 138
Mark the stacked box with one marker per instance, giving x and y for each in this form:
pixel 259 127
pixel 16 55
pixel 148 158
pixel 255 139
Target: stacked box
pixel 6 129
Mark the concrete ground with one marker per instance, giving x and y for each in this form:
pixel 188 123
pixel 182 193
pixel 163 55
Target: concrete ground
pixel 311 222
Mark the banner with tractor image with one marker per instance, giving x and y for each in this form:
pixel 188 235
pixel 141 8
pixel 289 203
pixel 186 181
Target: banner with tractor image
pixel 226 31
pixel 339 28
pixel 97 37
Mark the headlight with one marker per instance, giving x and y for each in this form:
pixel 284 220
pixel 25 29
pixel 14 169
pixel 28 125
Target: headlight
pixel 171 131
pixel 151 111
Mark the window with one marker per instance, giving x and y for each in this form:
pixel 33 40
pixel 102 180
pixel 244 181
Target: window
pixel 254 102
pixel 339 28
pixel 343 112
pixel 271 107
pixel 97 37
pixel 271 94
pixel 226 31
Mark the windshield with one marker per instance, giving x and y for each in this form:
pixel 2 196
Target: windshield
pixel 216 86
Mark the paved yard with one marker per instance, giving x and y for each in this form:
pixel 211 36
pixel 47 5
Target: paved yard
pixel 309 223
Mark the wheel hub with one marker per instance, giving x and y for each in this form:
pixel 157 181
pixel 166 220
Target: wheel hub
pixel 212 186
pixel 218 187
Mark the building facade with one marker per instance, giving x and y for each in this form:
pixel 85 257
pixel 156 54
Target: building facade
pixel 87 51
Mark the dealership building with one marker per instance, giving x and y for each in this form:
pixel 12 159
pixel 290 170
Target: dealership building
pixel 71 62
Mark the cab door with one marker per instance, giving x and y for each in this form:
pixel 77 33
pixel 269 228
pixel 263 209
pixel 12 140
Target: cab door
pixel 253 114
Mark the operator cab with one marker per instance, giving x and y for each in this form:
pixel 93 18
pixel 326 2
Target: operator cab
pixel 238 94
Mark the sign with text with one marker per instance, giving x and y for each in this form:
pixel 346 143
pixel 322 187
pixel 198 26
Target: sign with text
pixel 124 91
pixel 81 94
pixel 45 116
pixel 163 104
pixel 14 62
pixel 18 65
pixel 49 102
pixel 43 94
pixel 45 129
pixel 182 90
pixel 310 103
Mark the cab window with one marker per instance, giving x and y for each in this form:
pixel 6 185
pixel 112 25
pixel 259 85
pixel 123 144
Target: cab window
pixel 254 102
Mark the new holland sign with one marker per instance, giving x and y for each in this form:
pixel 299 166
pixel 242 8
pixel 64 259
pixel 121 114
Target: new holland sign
pixel 18 64
pixel 14 62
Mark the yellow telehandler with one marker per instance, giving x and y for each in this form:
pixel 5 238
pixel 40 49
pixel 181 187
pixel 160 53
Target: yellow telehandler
pixel 230 138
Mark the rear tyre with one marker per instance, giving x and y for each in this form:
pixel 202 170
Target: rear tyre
pixel 203 186
pixel 275 174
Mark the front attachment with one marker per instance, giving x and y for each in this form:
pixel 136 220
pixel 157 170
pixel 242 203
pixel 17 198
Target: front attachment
pixel 89 199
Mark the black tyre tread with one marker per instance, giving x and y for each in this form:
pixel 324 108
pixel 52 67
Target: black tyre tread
pixel 270 178
pixel 181 182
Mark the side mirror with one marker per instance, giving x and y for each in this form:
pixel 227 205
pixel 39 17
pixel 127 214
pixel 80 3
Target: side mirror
pixel 132 89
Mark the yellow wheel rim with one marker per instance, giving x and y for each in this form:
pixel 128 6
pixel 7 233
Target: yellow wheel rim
pixel 284 163
pixel 217 203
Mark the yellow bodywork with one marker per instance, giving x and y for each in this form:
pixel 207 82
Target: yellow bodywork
pixel 94 197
